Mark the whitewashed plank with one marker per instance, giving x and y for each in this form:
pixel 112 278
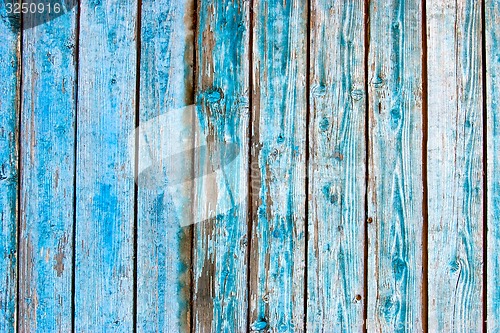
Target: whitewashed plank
pixel 492 48
pixel 454 162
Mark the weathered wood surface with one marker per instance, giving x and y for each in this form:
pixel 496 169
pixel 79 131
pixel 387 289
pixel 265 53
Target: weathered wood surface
pixel 47 175
pixel 10 65
pixel 220 202
pixel 336 167
pixel 492 49
pixel 290 200
pixel 163 245
pixel 454 164
pixel 104 275
pixel 395 186
pixel 277 168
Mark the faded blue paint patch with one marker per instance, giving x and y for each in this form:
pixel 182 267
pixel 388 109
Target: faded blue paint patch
pixel 330 193
pixel 105 169
pixel 259 325
pixel 9 63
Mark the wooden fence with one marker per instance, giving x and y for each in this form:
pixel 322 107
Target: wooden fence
pixel 325 166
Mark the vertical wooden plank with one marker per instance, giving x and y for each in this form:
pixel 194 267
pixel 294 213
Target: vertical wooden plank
pixel 220 202
pixel 492 38
pixel 105 168
pixel 47 174
pixel 395 186
pixel 163 245
pixel 279 109
pixel 336 167
pixel 454 162
pixel 9 102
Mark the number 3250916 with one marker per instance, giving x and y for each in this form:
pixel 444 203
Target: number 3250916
pixel 32 8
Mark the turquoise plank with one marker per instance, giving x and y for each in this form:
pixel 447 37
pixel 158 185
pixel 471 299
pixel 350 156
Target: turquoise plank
pixel 336 167
pixel 278 168
pixel 395 185
pixel 164 245
pixel 492 37
pixel 104 275
pixel 455 168
pixel 47 175
pixel 9 103
pixel 220 198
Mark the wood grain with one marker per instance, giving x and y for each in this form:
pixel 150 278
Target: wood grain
pixel 306 191
pixel 492 48
pixel 395 186
pixel 9 112
pixel 47 175
pixel 455 186
pixel 220 206
pixel 277 169
pixel 336 167
pixel 104 294
pixel 164 246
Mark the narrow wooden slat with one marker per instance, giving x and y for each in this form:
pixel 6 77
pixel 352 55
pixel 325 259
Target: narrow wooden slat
pixel 492 37
pixel 164 246
pixel 220 199
pixel 105 167
pixel 47 175
pixel 9 103
pixel 336 167
pixel 279 106
pixel 395 186
pixel 454 163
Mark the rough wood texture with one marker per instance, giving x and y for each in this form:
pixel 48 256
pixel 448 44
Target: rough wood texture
pixel 220 241
pixel 279 109
pixel 206 154
pixel 492 37
pixel 9 106
pixel 395 186
pixel 336 167
pixel 164 246
pixel 47 175
pixel 105 167
pixel 454 161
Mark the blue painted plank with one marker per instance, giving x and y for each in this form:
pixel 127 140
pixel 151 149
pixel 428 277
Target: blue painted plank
pixel 336 167
pixel 395 186
pixel 220 198
pixel 455 168
pixel 164 244
pixel 278 168
pixel 9 106
pixel 104 295
pixel 492 37
pixel 47 175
